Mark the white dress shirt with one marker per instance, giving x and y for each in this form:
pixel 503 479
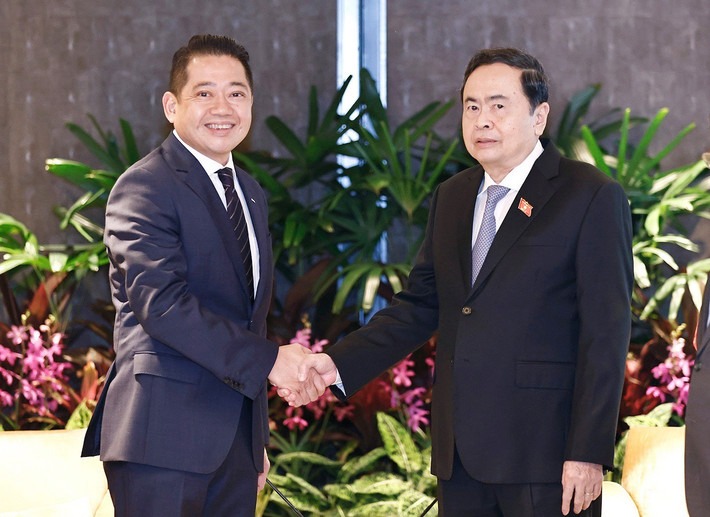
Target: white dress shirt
pixel 513 180
pixel 211 167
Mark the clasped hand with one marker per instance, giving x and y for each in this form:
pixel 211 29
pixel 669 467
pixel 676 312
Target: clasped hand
pixel 300 375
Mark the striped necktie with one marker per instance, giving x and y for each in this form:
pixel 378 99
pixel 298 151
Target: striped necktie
pixel 235 212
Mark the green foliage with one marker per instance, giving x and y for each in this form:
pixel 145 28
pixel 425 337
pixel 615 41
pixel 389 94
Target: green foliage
pixel 340 211
pixel 47 275
pixel 568 138
pixel 36 280
pixel 389 480
pixel 659 199
pixel 95 183
pixel 80 417
pixel 21 249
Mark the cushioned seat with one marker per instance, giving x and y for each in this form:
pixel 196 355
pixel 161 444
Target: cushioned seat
pixel 43 475
pixel 653 476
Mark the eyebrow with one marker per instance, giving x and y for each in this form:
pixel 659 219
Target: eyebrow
pixel 497 97
pixel 209 83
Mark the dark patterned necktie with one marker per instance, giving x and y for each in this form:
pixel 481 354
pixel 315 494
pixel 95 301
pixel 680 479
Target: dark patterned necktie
pixel 239 224
pixel 487 231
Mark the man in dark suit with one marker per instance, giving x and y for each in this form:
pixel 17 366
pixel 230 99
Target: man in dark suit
pixel 697 422
pixel 182 422
pixel 533 332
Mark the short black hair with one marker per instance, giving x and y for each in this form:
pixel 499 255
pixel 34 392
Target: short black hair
pixel 533 79
pixel 210 45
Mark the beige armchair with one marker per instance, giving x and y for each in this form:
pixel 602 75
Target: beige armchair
pixel 653 479
pixel 43 475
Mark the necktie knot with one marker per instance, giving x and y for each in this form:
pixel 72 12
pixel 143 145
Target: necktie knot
pixel 495 194
pixel 225 176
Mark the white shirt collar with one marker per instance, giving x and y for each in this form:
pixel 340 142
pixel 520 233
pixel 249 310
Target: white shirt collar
pixel 515 178
pixel 210 165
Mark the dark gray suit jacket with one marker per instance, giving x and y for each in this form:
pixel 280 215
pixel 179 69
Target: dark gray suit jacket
pixel 190 346
pixel 530 361
pixel 697 422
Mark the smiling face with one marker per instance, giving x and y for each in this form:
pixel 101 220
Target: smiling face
pixel 212 112
pixel 499 129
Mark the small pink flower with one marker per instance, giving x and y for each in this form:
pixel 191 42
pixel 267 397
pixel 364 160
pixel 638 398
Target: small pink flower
pixel 342 412
pixel 8 355
pixel 673 375
pixel 296 422
pixel 17 334
pixel 402 373
pixel 413 395
pixel 302 337
pixel 7 375
pixel 656 392
pixel 319 345
pixel 6 399
pixel 417 417
pixel 36 376
pixel 30 393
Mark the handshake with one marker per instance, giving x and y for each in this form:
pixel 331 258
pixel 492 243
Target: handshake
pixel 300 375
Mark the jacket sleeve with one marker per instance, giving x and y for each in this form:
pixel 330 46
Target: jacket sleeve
pixel 397 330
pixel 604 266
pixel 152 288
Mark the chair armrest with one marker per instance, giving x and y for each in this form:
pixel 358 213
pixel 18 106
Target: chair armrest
pixel 616 501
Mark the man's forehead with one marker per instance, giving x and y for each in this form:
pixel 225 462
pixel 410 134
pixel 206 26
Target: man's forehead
pixel 489 81
pixel 204 72
pixel 209 63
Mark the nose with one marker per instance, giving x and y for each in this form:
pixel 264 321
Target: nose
pixel 483 120
pixel 221 105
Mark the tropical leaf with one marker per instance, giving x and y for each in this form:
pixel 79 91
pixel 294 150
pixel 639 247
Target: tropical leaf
pixel 657 417
pixel 307 488
pixel 300 500
pixel 399 444
pixel 413 503
pixel 378 509
pixel 388 486
pixel 343 492
pixel 360 464
pixel 307 457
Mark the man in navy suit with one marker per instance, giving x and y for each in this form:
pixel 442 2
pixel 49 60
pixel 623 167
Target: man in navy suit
pixel 697 421
pixel 525 272
pixel 182 423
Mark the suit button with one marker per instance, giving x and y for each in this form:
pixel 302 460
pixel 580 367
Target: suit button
pixel 466 311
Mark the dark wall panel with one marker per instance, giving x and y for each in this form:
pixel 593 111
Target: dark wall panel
pixel 647 54
pixel 63 59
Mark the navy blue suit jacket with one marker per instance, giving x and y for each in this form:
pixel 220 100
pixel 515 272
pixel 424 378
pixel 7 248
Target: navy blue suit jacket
pixel 190 346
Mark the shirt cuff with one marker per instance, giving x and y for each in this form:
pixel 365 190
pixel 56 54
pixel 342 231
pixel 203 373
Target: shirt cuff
pixel 339 382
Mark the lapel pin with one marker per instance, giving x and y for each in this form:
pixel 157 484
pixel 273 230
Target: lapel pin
pixel 252 200
pixel 525 207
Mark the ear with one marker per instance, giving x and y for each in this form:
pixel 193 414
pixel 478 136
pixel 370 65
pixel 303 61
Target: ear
pixel 540 118
pixel 170 103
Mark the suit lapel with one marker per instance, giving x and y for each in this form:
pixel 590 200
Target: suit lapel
pixel 536 190
pixel 195 177
pixel 467 197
